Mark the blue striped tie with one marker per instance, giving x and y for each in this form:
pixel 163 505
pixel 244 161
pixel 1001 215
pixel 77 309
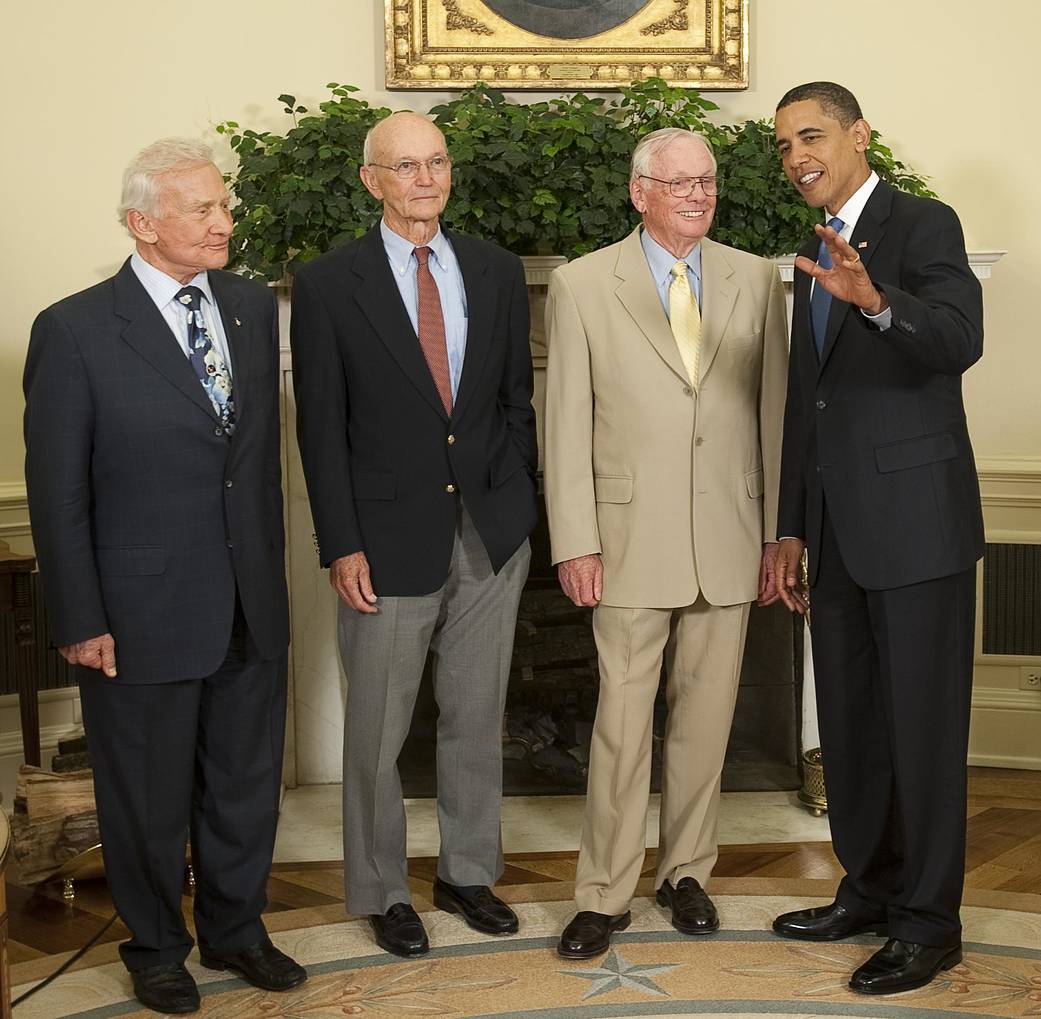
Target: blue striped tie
pixel 820 300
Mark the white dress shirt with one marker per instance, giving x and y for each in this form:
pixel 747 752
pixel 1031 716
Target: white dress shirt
pixel 163 290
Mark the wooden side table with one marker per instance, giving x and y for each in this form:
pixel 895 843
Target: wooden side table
pixel 16 596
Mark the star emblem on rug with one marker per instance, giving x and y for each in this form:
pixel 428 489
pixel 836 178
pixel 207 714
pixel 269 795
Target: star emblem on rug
pixel 618 972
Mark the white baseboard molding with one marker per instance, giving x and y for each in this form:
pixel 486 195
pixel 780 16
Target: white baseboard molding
pixel 11 742
pixel 1002 699
pixel 1004 761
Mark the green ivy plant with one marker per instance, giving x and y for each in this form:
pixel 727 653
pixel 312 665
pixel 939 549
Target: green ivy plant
pixel 537 178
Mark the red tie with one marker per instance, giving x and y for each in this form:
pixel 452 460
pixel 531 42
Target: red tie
pixel 432 329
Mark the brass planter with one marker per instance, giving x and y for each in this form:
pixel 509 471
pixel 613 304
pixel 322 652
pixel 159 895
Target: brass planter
pixel 812 794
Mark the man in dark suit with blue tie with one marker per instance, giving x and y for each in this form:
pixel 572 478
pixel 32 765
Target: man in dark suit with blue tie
pixel 413 382
pixel 878 483
pixel 154 484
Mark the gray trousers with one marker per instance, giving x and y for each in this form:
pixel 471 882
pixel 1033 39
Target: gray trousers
pixel 468 626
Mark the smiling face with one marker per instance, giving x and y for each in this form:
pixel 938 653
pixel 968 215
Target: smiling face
pixel 411 205
pixel 677 224
pixel 824 160
pixel 192 227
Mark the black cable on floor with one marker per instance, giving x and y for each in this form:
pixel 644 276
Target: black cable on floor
pixel 66 964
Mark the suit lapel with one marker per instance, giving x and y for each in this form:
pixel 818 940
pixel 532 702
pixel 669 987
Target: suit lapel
pixel 868 232
pixel 639 296
pixel 380 300
pixel 719 292
pixel 147 333
pixel 480 307
pixel 238 329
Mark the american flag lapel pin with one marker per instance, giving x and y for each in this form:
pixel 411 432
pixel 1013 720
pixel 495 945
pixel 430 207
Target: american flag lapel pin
pixel 862 244
pixel 237 322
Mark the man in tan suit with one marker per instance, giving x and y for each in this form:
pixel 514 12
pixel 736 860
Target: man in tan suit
pixel 665 396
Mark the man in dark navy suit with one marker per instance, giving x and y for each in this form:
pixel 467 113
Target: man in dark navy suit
pixel 878 483
pixel 154 483
pixel 413 382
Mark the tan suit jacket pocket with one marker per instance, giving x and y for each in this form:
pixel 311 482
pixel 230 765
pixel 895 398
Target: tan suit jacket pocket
pixel 613 488
pixel 754 481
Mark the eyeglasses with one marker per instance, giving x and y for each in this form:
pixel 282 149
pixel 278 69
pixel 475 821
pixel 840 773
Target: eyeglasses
pixel 410 167
pixel 683 187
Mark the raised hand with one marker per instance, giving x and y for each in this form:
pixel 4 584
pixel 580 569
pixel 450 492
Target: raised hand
pixel 847 279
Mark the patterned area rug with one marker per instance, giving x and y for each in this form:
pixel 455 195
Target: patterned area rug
pixel 651 970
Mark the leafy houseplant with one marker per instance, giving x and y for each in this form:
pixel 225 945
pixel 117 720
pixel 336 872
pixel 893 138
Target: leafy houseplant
pixel 540 178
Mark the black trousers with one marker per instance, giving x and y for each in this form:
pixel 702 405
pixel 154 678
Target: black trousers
pixel 200 755
pixel 893 674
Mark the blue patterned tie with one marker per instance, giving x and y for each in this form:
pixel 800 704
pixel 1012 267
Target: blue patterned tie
pixel 206 359
pixel 820 299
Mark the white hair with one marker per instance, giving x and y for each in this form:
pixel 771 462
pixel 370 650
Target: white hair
pixel 650 146
pixel 141 188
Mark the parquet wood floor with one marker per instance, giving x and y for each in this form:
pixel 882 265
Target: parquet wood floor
pixel 1003 854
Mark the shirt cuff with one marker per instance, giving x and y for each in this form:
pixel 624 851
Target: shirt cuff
pixel 883 320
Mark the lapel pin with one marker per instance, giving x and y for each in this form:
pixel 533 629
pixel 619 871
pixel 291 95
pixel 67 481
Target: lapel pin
pixel 862 244
pixel 237 322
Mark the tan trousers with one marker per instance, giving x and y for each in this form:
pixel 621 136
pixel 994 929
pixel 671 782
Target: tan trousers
pixel 702 645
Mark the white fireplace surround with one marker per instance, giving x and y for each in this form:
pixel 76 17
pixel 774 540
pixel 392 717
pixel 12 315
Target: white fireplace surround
pixel 318 685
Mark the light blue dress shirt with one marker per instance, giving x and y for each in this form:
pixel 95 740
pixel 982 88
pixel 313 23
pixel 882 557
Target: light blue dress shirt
pixel 661 262
pixel 444 267
pixel 163 290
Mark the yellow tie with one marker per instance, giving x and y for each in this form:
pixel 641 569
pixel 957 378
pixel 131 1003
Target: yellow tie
pixel 685 319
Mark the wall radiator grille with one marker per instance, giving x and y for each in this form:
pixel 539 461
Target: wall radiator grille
pixel 51 668
pixel 1012 600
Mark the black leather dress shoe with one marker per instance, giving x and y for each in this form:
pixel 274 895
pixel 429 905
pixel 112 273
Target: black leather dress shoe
pixel 902 966
pixel 692 909
pixel 477 905
pixel 827 923
pixel 590 933
pixel 400 931
pixel 168 988
pixel 261 965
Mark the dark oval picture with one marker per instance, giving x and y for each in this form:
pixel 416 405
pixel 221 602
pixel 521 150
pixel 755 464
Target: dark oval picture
pixel 566 19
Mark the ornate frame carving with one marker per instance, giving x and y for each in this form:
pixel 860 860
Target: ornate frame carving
pixel 444 44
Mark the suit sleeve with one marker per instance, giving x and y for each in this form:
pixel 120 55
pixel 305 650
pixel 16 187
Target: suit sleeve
pixel 322 413
pixel 517 385
pixel 59 431
pixel 771 400
pixel 791 501
pixel 273 445
pixel 938 304
pixel 570 496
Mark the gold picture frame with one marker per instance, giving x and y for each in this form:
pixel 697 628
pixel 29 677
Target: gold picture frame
pixel 445 44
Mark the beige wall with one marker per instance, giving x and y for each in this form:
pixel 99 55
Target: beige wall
pixel 87 84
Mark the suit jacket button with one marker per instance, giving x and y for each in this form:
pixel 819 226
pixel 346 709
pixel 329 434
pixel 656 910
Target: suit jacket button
pixel 698 441
pixel 449 489
pixel 687 391
pixel 451 440
pixel 218 430
pixel 230 544
pixel 228 483
pixel 821 405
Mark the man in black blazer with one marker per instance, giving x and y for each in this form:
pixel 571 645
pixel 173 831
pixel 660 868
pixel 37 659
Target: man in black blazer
pixel 154 483
pixel 413 382
pixel 878 482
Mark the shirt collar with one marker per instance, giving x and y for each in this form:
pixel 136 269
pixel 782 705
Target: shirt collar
pixel 162 288
pixel 662 261
pixel 399 250
pixel 850 212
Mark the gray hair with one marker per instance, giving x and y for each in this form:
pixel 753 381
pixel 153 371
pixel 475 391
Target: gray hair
pixel 650 146
pixel 141 188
